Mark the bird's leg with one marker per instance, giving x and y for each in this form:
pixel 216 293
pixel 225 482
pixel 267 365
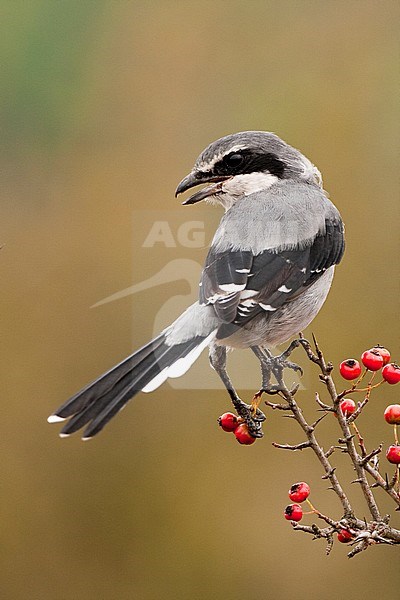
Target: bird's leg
pixel 252 418
pixel 267 370
pixel 283 358
pixel 274 365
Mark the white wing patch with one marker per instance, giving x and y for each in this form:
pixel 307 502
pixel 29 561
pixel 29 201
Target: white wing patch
pixel 248 294
pixel 267 307
pixel 232 287
pixel 223 299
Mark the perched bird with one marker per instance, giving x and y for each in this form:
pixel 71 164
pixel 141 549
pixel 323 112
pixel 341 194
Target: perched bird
pixel 267 273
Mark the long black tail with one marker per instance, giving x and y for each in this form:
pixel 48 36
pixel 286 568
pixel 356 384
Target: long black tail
pixel 98 402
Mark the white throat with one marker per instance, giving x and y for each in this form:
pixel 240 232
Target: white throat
pixel 243 185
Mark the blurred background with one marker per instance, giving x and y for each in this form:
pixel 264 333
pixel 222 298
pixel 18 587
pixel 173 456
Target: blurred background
pixel 105 106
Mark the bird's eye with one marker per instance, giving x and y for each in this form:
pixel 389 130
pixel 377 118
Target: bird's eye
pixel 234 160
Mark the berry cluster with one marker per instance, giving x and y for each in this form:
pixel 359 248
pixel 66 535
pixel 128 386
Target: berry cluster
pixel 359 532
pixel 299 492
pixel 374 360
pixel 392 416
pixel 233 424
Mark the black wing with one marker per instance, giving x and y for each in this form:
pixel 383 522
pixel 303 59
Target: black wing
pixel 240 285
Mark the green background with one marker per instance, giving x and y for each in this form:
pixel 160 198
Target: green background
pixel 105 106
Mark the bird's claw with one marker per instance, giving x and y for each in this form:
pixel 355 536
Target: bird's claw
pixel 287 364
pixel 272 390
pixel 253 417
pixel 254 427
pixel 258 416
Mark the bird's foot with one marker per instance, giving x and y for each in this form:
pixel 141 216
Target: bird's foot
pixel 252 416
pixel 280 363
pixel 271 390
pixel 276 364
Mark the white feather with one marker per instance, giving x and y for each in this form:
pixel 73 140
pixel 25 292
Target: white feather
pixel 223 299
pixel 209 165
pixel 248 294
pixel 267 307
pixel 248 183
pixel 156 381
pixel 55 419
pixel 248 303
pixel 180 367
pixel 232 287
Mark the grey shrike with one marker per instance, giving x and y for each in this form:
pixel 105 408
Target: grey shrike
pixel 267 273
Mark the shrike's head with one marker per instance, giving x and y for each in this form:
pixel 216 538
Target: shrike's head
pixel 246 162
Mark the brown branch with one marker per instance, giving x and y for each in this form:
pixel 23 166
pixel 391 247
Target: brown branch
pixel 324 406
pixel 313 442
pixel 370 455
pixel 292 446
pixel 365 534
pixel 317 421
pixel 358 411
pixel 277 406
pixel 326 369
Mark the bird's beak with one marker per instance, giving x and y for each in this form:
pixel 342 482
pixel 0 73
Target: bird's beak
pixel 197 178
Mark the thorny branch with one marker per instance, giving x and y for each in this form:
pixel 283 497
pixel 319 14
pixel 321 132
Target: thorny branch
pixel 377 530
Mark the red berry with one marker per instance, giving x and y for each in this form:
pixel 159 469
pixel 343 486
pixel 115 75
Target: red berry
pixel 393 454
pixel 347 406
pixel 344 536
pixel 384 352
pixel 299 491
pixel 243 435
pixel 350 369
pixel 228 421
pixel 372 360
pixel 391 373
pixel 392 414
pixel 293 512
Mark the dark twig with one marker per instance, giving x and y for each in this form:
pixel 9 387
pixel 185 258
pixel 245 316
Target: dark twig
pixel 292 446
pixel 370 455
